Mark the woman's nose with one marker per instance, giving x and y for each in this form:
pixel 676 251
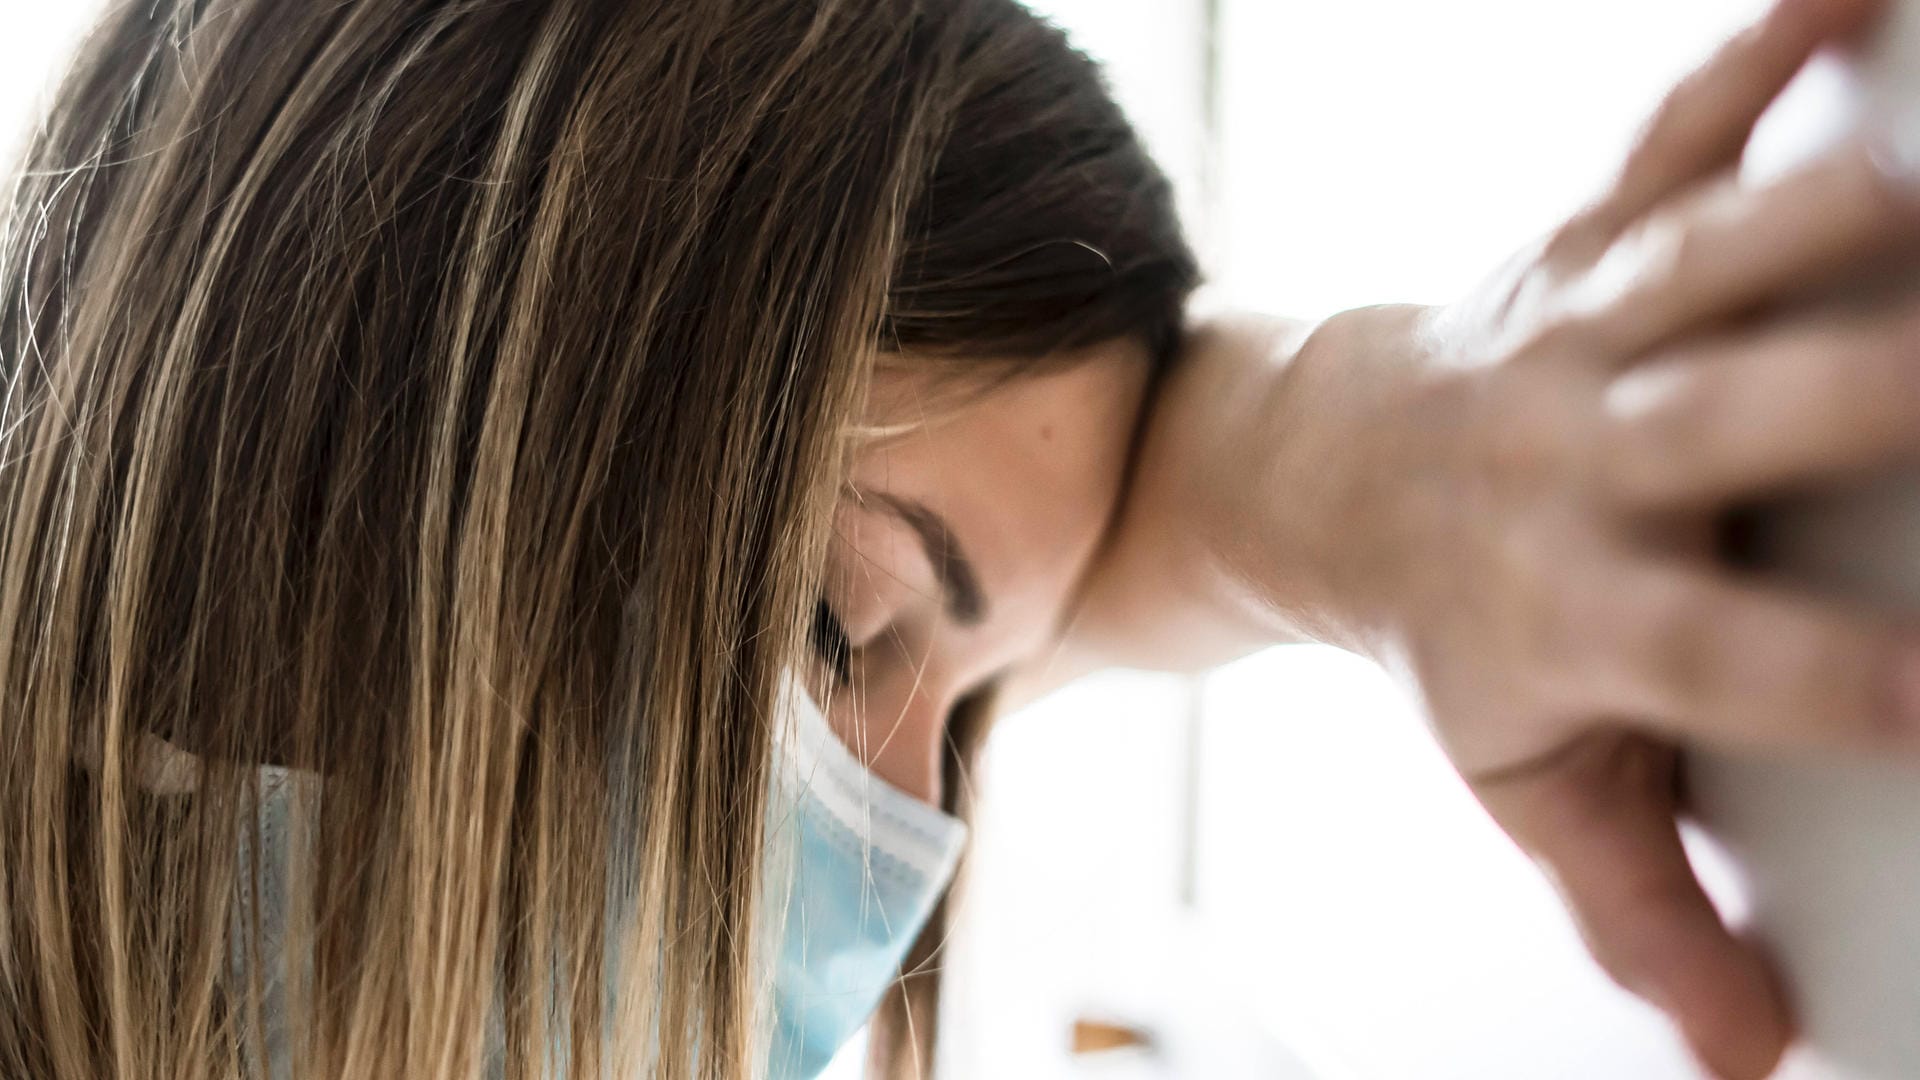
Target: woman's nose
pixel 898 733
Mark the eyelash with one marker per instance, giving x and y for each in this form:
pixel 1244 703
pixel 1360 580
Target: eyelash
pixel 830 640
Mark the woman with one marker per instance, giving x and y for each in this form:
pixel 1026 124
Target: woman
pixel 460 456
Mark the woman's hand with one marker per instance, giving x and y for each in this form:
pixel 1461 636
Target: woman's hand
pixel 1527 533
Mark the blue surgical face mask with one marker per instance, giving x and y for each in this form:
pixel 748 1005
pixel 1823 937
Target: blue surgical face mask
pixel 855 867
pixel 862 864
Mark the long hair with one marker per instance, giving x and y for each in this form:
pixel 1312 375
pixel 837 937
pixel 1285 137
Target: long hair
pixel 448 399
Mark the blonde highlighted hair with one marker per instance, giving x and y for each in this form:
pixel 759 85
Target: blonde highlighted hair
pixel 447 398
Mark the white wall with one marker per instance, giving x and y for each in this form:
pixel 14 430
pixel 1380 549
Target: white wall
pixel 1382 150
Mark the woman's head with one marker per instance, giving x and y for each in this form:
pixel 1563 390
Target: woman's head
pixel 457 400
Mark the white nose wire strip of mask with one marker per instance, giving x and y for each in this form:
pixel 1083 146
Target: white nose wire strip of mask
pixel 917 833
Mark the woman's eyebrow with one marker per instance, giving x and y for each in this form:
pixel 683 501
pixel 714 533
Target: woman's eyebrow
pixel 965 603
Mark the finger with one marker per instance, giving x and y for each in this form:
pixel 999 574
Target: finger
pixel 1729 249
pixel 1704 123
pixel 1747 415
pixel 1600 823
pixel 1706 658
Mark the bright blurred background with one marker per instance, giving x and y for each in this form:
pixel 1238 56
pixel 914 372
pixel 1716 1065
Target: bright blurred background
pixel 1270 871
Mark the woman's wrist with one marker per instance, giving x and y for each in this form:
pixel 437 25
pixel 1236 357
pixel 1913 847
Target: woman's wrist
pixel 1322 468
